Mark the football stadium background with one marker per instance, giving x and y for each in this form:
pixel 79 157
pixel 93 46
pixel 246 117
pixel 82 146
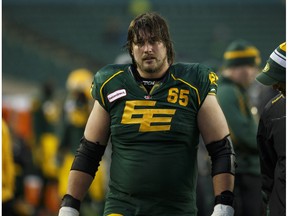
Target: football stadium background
pixel 43 41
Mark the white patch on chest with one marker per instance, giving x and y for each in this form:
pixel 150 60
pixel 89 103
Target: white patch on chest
pixel 116 95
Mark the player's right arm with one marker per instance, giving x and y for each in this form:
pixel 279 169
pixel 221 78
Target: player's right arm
pixel 86 160
pixel 215 133
pixel 98 125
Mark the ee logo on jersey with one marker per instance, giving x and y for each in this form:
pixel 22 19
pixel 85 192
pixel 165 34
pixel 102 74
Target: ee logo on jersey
pixel 153 119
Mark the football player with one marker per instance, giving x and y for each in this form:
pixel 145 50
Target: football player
pixel 154 111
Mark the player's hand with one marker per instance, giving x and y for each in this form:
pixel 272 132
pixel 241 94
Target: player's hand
pixel 68 211
pixel 223 210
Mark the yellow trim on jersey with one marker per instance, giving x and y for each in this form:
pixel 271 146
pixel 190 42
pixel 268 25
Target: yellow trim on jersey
pixel 198 97
pixel 249 52
pixel 212 93
pixel 276 99
pixel 102 97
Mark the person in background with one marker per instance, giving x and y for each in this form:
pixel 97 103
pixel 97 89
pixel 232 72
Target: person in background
pixel 154 112
pixel 77 107
pixel 271 135
pixel 240 66
pixel 45 115
pixel 8 171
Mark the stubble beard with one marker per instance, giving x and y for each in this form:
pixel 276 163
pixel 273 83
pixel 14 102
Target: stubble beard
pixel 153 69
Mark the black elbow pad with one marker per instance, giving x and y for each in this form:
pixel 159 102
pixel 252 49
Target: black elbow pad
pixel 222 156
pixel 88 157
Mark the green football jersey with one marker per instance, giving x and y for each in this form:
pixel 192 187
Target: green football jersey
pixel 154 135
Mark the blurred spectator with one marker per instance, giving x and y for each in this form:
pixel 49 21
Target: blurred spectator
pixel 241 61
pixel 76 110
pixel 17 114
pixel 8 172
pixel 45 114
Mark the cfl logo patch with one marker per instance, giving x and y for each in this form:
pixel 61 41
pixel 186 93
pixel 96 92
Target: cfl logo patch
pixel 149 119
pixel 213 78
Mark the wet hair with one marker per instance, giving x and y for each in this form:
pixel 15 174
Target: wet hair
pixel 155 27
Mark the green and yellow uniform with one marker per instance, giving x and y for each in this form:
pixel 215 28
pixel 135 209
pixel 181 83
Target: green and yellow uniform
pixel 154 138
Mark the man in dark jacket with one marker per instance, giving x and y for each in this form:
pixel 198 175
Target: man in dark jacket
pixel 272 134
pixel 240 67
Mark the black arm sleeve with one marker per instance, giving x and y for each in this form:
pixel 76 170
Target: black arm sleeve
pixel 222 156
pixel 88 157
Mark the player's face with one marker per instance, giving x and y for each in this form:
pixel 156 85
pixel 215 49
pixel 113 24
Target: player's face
pixel 150 56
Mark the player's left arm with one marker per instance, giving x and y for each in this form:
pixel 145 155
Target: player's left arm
pixel 215 133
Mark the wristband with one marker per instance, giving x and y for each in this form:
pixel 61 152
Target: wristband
pixel 225 198
pixel 70 201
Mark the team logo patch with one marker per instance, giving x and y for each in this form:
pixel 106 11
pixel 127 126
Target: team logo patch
pixel 145 114
pixel 213 78
pixel 266 68
pixel 116 95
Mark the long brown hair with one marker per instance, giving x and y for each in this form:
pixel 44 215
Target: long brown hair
pixel 153 24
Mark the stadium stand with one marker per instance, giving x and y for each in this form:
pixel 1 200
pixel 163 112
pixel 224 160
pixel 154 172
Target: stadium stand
pixel 52 37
